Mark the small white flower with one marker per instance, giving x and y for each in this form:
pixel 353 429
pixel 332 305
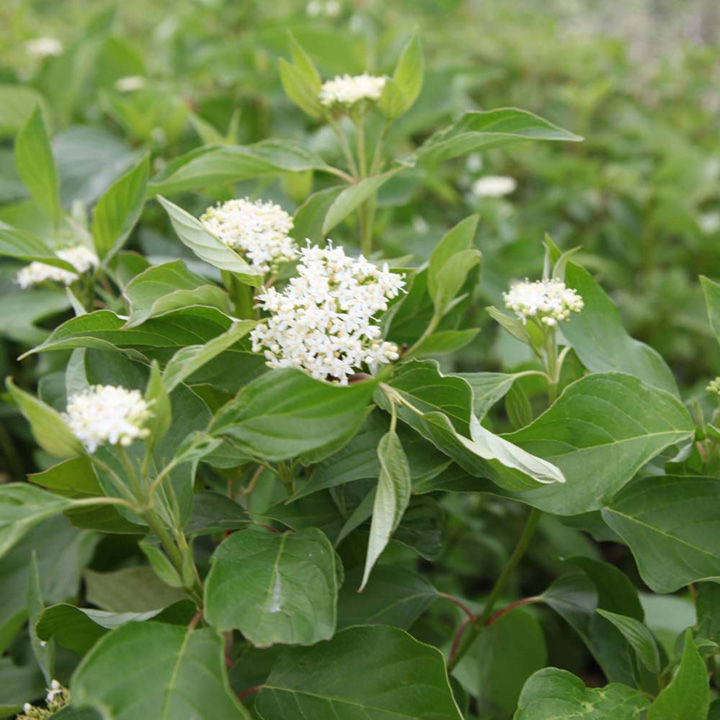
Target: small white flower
pixel 258 230
pixel 80 256
pixel 324 320
pixel 130 83
pixel 547 301
pixel 43 47
pixel 54 690
pixel 332 8
pixel 107 414
pixel 494 186
pixel 348 90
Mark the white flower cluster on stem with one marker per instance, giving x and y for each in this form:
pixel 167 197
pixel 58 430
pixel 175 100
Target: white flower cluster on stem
pixel 324 320
pixel 82 258
pixel 348 89
pixel 546 301
pixel 107 414
pixel 258 230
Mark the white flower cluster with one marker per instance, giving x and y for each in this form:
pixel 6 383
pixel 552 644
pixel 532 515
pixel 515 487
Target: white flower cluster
pixel 348 89
pixel 324 320
pixel 107 414
pixel 547 301
pixel 329 8
pixel 80 257
pixel 493 186
pixel 57 698
pixel 259 230
pixel 43 47
pixel 130 83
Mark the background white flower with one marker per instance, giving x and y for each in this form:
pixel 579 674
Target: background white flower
pixel 43 47
pixel 548 301
pixel 494 186
pixel 80 256
pixel 107 414
pixel 130 83
pixel 348 89
pixel 324 320
pixel 258 230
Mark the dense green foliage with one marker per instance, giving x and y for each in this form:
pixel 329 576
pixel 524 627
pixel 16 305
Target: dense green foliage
pixel 503 512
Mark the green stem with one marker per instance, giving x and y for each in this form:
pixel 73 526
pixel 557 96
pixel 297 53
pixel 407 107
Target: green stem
pixel 156 524
pixel 345 145
pixel 287 477
pixel 552 364
pixel 376 163
pixel 479 623
pixel 132 475
pixel 429 330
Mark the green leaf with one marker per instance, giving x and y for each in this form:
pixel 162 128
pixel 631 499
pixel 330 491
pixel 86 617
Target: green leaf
pixel 17 103
pixel 22 245
pixel 575 597
pixel 408 75
pixel 443 415
pixel 191 358
pixel 119 209
pixel 488 388
pixel 78 629
pixel 36 165
pixel 353 196
pixel 711 290
pixel 393 596
pixel 600 432
pixel 61 553
pixel 170 286
pixel 392 100
pixel 501 659
pixel 301 90
pixel 44 652
pixel 17 684
pixel 551 694
pixel 673 528
pixel 274 588
pixel 188 675
pixel 638 637
pixel 104 330
pixel 476 131
pixel 132 589
pixel 223 164
pixel 304 64
pixel 391 498
pixel 602 343
pixel 206 246
pixel 285 413
pixel 372 672
pixel 156 394
pixel 445 342
pixel 310 216
pixel 450 263
pixel 49 429
pixel 687 697
pixel 518 407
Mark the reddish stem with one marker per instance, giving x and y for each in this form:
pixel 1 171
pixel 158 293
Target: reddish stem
pixel 457 638
pixel 250 691
pixel 459 603
pixel 472 618
pixel 509 608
